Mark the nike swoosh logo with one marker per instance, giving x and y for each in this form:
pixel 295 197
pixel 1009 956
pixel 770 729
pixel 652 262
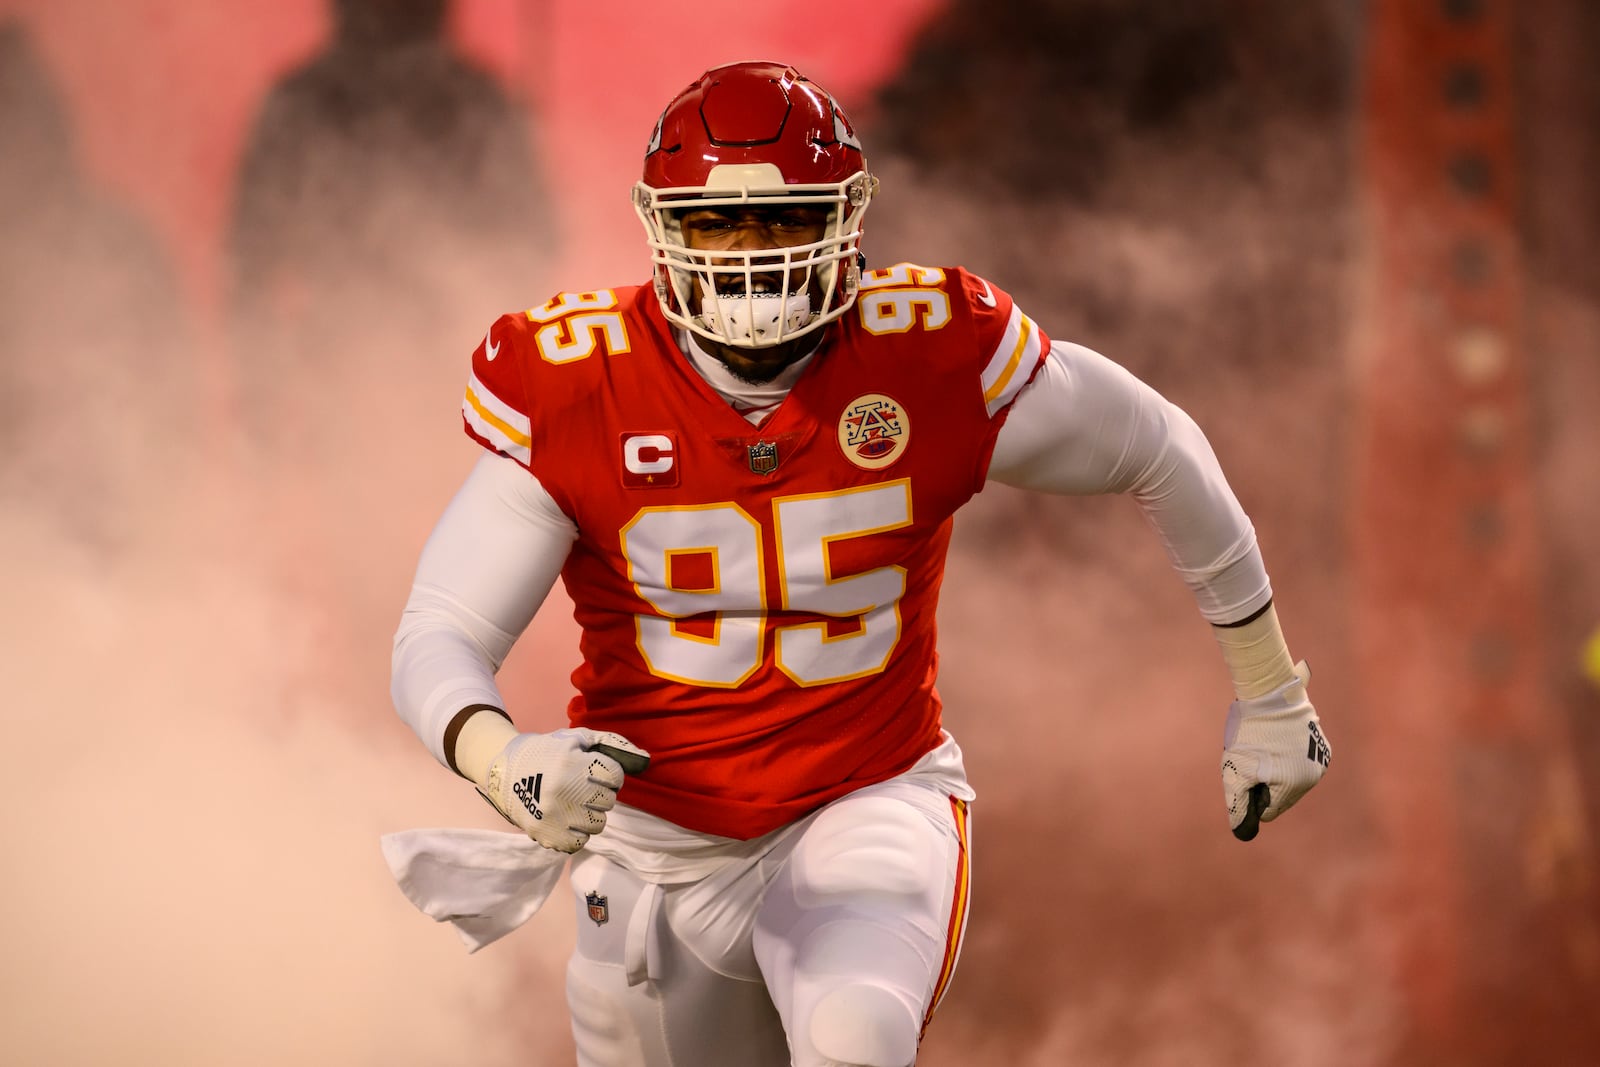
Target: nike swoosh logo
pixel 490 350
pixel 987 297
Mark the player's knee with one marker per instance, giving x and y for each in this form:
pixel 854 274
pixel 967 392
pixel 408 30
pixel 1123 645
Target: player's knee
pixel 864 1026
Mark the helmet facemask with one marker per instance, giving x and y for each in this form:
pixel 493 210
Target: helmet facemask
pixel 755 298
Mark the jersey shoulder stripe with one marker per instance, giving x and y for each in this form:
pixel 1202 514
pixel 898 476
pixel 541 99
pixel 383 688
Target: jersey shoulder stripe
pixel 494 408
pixel 1012 363
pixel 495 422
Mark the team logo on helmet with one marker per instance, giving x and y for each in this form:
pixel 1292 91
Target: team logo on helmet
pixel 841 132
pixel 873 431
pixel 599 908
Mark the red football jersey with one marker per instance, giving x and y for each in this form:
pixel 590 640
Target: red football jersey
pixel 757 604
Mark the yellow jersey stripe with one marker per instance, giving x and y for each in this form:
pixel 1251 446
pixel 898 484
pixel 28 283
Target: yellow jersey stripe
pixel 994 367
pixel 512 434
pixel 999 386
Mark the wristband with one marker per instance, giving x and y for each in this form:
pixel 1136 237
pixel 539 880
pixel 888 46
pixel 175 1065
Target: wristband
pixel 480 733
pixel 1257 658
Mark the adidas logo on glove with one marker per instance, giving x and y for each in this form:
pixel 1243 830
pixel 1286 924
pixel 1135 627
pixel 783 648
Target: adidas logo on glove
pixel 1317 749
pixel 527 791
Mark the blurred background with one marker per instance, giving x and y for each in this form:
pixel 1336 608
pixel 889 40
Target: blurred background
pixel 248 249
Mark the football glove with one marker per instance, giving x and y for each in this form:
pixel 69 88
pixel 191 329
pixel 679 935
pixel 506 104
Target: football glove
pixel 1273 752
pixel 557 787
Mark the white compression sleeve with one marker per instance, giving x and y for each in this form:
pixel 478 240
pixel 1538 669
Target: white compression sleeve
pixel 1086 425
pixel 491 560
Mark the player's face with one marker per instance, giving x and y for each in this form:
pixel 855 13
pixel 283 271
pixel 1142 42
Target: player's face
pixel 751 228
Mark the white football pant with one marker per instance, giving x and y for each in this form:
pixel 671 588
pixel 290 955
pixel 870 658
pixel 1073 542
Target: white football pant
pixel 831 950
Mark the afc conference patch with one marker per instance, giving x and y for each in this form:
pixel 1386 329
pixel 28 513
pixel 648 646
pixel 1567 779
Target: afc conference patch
pixel 873 431
pixel 599 908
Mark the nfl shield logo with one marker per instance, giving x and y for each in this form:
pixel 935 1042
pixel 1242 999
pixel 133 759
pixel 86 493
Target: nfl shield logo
pixel 763 457
pixel 599 910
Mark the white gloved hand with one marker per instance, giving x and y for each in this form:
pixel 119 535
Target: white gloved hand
pixel 1273 752
pixel 557 787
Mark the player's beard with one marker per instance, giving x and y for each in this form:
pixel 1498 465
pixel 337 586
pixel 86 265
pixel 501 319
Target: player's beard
pixel 759 366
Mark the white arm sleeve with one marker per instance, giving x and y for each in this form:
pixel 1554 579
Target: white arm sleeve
pixel 487 566
pixel 1086 425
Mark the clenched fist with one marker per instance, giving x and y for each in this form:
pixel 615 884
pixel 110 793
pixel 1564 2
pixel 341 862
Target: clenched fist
pixel 557 787
pixel 1273 752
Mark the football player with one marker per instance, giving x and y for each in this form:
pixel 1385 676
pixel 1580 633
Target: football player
pixel 745 472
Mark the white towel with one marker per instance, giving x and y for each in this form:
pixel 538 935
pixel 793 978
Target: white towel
pixel 485 883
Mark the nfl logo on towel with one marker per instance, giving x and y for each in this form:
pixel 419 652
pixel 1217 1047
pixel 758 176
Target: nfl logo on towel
pixel 763 457
pixel 599 909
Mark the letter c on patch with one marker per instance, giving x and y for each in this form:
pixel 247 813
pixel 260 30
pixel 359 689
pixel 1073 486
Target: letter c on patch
pixel 647 454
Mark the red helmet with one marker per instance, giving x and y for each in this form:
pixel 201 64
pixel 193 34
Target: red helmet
pixel 754 133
